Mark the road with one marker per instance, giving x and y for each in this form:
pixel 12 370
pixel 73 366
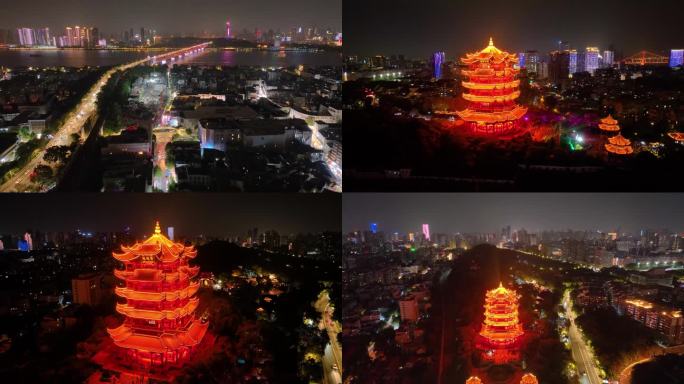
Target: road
pixel 440 368
pixel 86 109
pixel 584 359
pixel 164 136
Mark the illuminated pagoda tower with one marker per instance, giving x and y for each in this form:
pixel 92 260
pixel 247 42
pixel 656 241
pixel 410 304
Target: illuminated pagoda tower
pixel 501 329
pixel 501 326
pixel 619 145
pixel 159 286
pixel 608 124
pixel 491 90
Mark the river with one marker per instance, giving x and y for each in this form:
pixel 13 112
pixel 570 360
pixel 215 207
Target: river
pixel 80 58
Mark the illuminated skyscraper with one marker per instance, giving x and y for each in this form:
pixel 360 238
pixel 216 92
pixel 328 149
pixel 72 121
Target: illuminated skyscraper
pixel 608 58
pixel 27 36
pixel 426 231
pixel 592 59
pixel 43 37
pixel 491 88
pixel 572 61
pixel 532 61
pixel 70 37
pixel 374 227
pixel 228 29
pixel 438 61
pixel 77 36
pixel 676 57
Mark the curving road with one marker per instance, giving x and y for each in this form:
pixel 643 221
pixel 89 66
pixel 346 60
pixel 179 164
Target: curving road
pixel 580 351
pixel 86 109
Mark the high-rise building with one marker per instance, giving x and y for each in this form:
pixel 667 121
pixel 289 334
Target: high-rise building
pixel 426 231
pixel 559 64
pixel 70 37
pixel 532 61
pixel 676 57
pixel 159 287
pixel 542 70
pixel 43 37
pixel 437 62
pixel 572 61
pixel 666 320
pixel 491 96
pixel 227 29
pixel 87 289
pixel 95 37
pixel 592 59
pixel 27 37
pixel 408 309
pixel 608 58
pixel 521 60
pixel 77 37
pixel 581 62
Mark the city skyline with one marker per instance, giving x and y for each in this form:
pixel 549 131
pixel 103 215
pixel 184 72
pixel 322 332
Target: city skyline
pixel 419 29
pixel 189 214
pixel 173 17
pixel 488 213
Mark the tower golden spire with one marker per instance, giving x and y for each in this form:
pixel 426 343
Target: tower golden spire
pixel 157 230
pixel 491 42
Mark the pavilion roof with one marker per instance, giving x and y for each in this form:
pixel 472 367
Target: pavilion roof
pixel 619 140
pixel 489 53
pixel 147 314
pixel 609 120
pixel 126 337
pixel 158 246
pixel 619 149
pixel 492 117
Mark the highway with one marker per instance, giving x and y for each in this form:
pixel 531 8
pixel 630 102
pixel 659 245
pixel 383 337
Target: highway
pixel 584 359
pixel 86 109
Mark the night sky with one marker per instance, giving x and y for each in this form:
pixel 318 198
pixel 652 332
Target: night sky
pixel 190 214
pixel 171 16
pixel 418 28
pixel 489 212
